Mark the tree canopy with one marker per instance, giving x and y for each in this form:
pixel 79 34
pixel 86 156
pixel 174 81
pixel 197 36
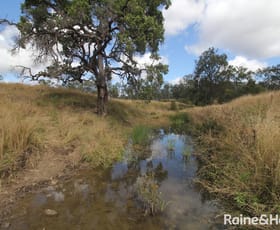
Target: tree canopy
pixel 99 38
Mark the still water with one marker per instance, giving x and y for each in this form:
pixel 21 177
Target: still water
pixel 98 199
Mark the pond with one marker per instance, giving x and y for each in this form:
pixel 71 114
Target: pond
pixel 150 189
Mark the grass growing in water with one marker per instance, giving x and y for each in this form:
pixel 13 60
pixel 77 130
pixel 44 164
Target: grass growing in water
pixel 141 135
pixel 171 145
pixel 187 152
pixel 147 190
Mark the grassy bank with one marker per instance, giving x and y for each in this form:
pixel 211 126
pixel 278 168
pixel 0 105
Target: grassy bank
pixel 37 121
pixel 239 146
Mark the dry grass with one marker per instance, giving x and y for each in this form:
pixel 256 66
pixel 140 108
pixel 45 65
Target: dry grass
pixel 239 145
pixel 42 120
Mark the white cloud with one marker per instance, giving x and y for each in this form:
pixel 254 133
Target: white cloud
pixel 250 64
pixel 176 80
pixel 243 27
pixel 181 14
pixel 22 58
pixel 146 60
pixel 196 49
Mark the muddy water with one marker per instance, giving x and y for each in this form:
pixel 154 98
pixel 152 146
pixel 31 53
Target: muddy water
pixel 109 199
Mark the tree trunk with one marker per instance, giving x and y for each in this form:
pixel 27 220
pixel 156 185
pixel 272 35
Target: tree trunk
pixel 102 89
pixel 102 99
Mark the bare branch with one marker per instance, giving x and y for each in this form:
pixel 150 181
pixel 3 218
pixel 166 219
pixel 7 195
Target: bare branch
pixel 6 21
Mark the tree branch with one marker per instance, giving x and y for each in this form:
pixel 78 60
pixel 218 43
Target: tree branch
pixel 6 21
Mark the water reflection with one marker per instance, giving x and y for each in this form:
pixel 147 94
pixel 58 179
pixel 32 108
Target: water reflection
pixel 107 200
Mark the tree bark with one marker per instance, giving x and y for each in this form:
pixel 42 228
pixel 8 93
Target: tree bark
pixel 102 99
pixel 102 89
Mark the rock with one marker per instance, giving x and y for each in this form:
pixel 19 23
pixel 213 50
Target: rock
pixel 50 212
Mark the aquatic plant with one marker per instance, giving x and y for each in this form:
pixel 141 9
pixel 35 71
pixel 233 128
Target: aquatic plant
pixel 187 152
pixel 170 145
pixel 147 191
pixel 140 135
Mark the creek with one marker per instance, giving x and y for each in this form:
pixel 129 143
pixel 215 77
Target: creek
pixel 147 189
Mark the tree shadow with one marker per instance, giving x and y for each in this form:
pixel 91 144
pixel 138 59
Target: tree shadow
pixel 61 98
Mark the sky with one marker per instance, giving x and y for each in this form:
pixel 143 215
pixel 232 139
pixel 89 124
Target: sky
pixel 248 31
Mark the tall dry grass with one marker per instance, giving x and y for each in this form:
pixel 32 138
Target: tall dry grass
pixel 18 136
pixel 62 121
pixel 239 145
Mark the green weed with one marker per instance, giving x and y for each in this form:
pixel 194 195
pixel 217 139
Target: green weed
pixel 141 135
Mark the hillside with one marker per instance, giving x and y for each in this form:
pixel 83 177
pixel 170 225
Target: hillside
pixel 45 130
pixel 238 145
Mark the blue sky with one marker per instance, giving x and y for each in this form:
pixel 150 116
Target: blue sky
pixel 247 31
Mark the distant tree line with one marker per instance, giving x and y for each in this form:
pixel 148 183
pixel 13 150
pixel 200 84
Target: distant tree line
pixel 213 81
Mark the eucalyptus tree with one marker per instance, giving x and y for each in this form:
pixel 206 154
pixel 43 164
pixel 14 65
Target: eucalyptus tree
pixel 210 71
pixel 100 38
pixel 270 77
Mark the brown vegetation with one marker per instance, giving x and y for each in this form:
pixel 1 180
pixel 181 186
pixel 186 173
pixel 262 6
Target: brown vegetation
pixel 240 151
pixel 45 130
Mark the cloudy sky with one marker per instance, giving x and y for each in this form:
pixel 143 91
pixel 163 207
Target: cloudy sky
pixel 248 31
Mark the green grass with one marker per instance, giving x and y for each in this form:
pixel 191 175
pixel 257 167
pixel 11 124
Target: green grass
pixel 141 135
pixel 180 122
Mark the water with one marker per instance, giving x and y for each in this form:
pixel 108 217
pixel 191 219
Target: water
pixel 98 199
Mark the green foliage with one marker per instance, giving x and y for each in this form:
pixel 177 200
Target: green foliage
pixel 171 145
pixel 187 152
pixel 181 122
pixel 96 35
pixel 141 135
pixel 210 71
pixel 271 76
pixel 81 6
pixel 242 199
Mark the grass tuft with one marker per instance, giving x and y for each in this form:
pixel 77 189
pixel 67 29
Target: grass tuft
pixel 141 135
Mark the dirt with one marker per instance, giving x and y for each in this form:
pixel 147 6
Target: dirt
pixel 39 170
